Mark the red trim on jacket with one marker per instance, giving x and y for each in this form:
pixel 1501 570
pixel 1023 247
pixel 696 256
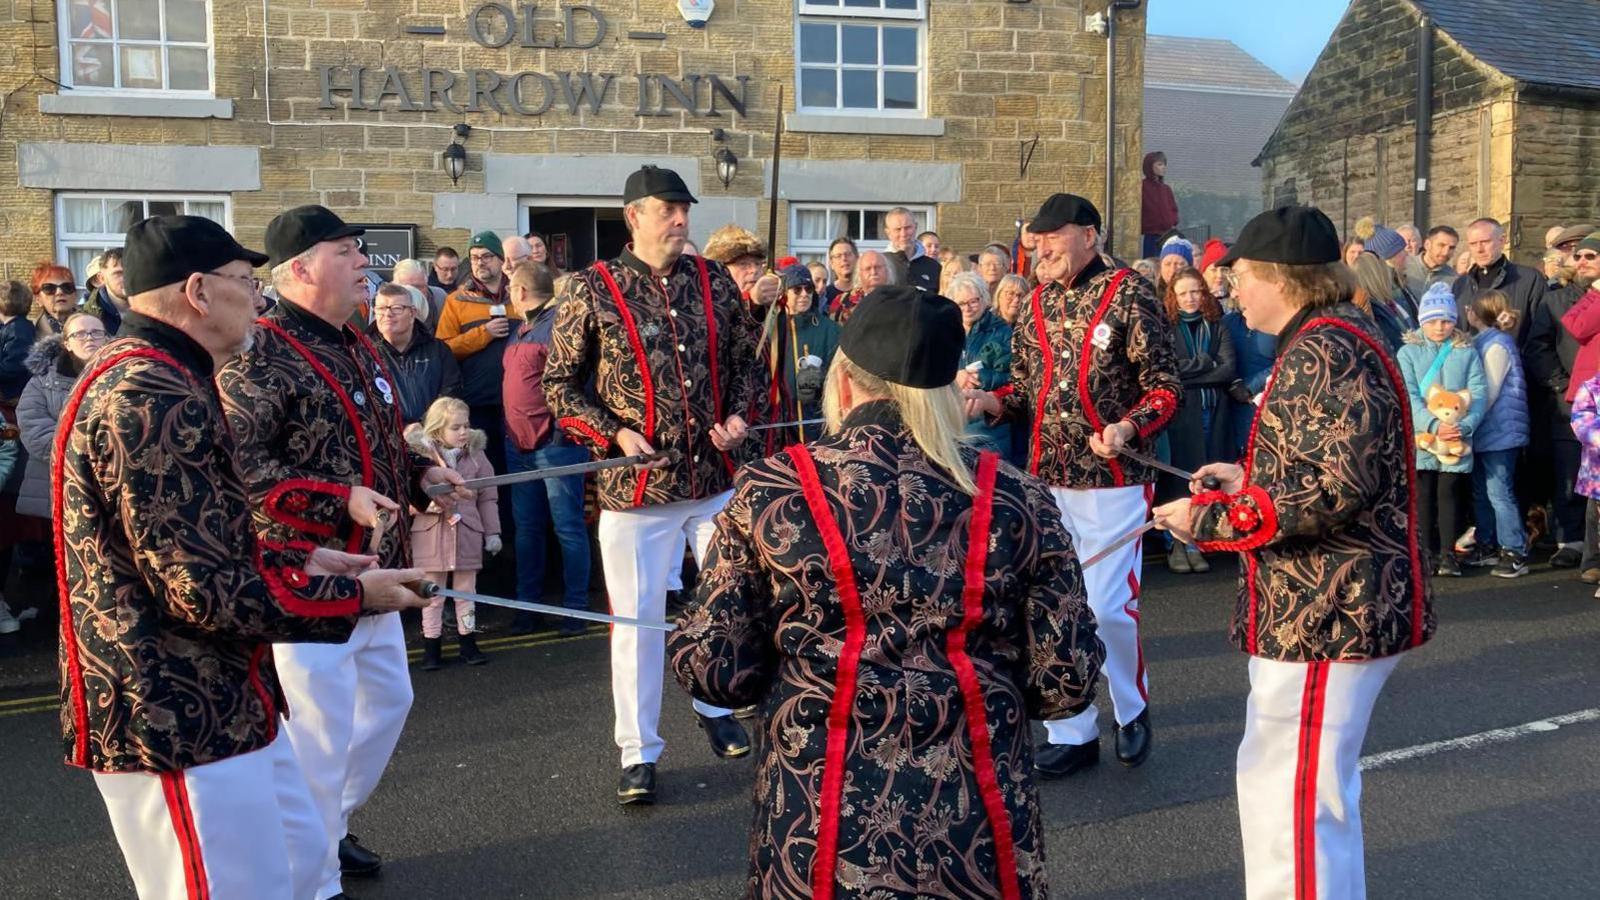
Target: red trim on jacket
pixel 363 447
pixel 1118 477
pixel 1004 391
pixel 278 497
pixel 972 698
pixel 1312 701
pixel 644 370
pixel 176 791
pixel 1043 328
pixel 281 584
pixel 824 864
pixel 1255 525
pixel 1419 600
pixel 69 636
pixel 711 340
pixel 1162 400
pixel 582 427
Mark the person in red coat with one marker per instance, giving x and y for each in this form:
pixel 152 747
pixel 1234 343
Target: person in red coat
pixel 1158 207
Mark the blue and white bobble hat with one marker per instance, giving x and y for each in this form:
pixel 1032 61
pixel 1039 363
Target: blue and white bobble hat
pixel 1179 246
pixel 1437 303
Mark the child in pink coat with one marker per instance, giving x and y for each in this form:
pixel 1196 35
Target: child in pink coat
pixel 451 543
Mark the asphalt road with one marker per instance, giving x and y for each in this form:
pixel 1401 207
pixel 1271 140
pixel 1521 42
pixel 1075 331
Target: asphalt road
pixel 503 783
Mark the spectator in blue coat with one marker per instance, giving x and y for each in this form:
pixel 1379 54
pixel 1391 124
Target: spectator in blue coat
pixel 1504 431
pixel 17 336
pixel 986 359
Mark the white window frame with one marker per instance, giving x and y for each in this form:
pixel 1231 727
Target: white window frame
pixel 116 43
pixel 101 241
pixel 839 15
pixel 809 251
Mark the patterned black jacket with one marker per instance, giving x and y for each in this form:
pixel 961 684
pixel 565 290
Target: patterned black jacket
pixel 169 603
pixel 1083 357
pixel 1327 522
pixel 666 357
pixel 897 661
pixel 316 412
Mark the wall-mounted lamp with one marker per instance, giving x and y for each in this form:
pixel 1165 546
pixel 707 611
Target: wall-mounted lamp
pixel 455 155
pixel 727 162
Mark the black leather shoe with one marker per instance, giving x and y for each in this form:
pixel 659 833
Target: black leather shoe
pixel 1062 760
pixel 1133 740
pixel 637 785
pixel 355 859
pixel 728 738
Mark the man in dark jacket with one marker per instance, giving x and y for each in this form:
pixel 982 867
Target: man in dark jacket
pixel 1158 207
pixel 1493 270
pixel 176 707
pixel 423 368
pixel 1332 592
pixel 110 300
pixel 534 442
pixel 1549 359
pixel 911 263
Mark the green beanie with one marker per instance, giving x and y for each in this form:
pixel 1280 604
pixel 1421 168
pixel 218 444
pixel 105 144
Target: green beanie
pixel 486 240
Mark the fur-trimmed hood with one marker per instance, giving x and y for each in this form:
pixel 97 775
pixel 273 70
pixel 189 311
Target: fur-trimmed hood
pixel 418 440
pixel 47 355
pixel 1459 340
pixel 730 242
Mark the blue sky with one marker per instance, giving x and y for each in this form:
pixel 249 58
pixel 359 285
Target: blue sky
pixel 1285 34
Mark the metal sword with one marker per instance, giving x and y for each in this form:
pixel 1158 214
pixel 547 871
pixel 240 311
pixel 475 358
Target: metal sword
pixel 794 424
pixel 1118 544
pixel 1209 482
pixel 772 199
pixel 439 490
pixel 430 589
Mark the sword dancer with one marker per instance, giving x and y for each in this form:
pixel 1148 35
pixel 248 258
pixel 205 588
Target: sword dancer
pixel 170 603
pixel 649 352
pixel 321 451
pixel 1332 588
pixel 1093 371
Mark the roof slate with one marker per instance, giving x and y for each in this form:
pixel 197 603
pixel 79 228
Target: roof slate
pixel 1208 63
pixel 1552 43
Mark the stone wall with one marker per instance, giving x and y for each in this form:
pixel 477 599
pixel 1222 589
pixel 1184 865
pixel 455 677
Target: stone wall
pixel 1558 166
pixel 997 73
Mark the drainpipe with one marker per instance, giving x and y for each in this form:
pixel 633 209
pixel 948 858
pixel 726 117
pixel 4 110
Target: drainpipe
pixel 1419 199
pixel 1111 116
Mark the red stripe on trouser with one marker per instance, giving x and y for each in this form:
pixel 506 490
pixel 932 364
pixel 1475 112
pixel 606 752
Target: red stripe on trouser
pixel 1312 702
pixel 825 862
pixel 1133 597
pixel 176 792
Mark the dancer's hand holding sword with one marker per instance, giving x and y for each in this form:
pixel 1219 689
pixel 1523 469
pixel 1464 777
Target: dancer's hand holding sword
pixel 1168 517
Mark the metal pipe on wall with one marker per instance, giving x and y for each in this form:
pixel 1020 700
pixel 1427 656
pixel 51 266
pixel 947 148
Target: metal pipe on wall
pixel 1424 148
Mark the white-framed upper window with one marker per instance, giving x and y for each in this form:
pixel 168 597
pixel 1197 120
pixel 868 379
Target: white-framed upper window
pixel 90 224
pixel 136 46
pixel 861 56
pixel 813 226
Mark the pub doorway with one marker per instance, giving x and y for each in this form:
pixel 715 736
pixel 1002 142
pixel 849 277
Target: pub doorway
pixel 577 231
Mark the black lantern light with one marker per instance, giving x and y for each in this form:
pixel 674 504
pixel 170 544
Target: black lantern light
pixel 455 155
pixel 727 162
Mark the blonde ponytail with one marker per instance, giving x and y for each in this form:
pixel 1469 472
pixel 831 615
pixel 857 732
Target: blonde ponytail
pixel 935 416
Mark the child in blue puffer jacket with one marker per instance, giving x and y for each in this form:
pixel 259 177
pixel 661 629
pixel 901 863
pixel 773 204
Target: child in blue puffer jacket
pixel 1501 541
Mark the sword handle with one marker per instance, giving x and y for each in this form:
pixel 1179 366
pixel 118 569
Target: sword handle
pixel 1211 483
pixel 423 588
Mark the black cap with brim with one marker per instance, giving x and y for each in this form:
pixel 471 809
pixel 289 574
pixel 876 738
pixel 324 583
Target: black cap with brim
pixel 1062 210
pixel 905 336
pixel 163 250
pixel 298 230
pixel 1290 235
pixel 654 181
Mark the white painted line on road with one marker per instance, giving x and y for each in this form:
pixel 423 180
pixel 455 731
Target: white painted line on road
pixel 1481 739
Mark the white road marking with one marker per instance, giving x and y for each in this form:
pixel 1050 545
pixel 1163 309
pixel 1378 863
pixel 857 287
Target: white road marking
pixel 1481 739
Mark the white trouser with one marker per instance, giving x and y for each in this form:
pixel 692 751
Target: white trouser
pixel 347 705
pixel 1299 777
pixel 242 827
pixel 639 549
pixel 1095 518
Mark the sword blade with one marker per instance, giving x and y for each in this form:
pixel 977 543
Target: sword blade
pixel 548 610
pixel 772 199
pixel 439 490
pixel 1209 482
pixel 1118 544
pixel 795 424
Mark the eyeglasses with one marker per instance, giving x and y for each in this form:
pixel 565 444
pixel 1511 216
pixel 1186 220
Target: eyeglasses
pixel 255 283
pixel 88 334
pixel 1589 256
pixel 65 287
pixel 394 310
pixel 1231 279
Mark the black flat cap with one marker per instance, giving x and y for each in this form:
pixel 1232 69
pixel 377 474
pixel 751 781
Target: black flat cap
pixel 905 336
pixel 163 250
pixel 654 181
pixel 1062 210
pixel 298 230
pixel 1292 235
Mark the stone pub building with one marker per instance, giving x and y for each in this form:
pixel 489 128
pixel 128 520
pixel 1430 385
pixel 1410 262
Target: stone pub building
pixel 238 109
